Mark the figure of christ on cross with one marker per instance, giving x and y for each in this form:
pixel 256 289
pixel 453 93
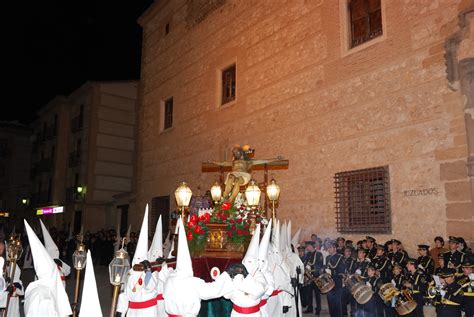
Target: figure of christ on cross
pixel 240 175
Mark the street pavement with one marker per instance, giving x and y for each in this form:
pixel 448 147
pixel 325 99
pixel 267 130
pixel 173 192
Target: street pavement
pixel 105 289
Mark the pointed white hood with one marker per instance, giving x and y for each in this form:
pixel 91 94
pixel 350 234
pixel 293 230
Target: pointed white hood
pixel 47 272
pixel 250 260
pixel 90 306
pixel 263 248
pixel 184 266
pixel 49 244
pixel 295 241
pixel 141 251
pixel 283 238
pixel 156 248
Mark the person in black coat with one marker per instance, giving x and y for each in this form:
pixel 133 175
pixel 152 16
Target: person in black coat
pixel 335 267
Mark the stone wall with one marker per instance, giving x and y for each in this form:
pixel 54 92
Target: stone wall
pixel 303 95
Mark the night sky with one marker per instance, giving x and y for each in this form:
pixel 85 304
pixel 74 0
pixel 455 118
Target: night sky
pixel 59 45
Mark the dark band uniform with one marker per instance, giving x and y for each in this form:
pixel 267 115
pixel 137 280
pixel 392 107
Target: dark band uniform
pixel 467 285
pixel 383 265
pixel 335 263
pixel 453 259
pixel 425 263
pixel 419 286
pixel 346 297
pixel 313 264
pixel 449 305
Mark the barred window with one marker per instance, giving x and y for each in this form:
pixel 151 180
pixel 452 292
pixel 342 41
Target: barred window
pixel 228 84
pixel 366 20
pixel 363 201
pixel 168 113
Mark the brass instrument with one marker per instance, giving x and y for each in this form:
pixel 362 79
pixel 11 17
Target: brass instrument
pixel 434 290
pixel 405 303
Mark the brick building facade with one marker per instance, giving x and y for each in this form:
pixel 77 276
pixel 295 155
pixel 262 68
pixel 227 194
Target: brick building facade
pixel 401 100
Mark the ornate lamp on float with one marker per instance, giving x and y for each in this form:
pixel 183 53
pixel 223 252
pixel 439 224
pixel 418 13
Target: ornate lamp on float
pixel 273 193
pixel 216 193
pixel 252 194
pixel 118 268
pixel 14 250
pixel 79 262
pixel 183 196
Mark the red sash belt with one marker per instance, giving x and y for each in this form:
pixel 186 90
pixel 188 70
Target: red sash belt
pixel 263 302
pixel 247 310
pixel 171 315
pixel 63 278
pixel 146 304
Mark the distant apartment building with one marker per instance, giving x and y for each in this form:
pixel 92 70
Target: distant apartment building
pixel 83 156
pixel 15 150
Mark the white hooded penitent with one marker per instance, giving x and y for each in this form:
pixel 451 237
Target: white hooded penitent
pixel 156 248
pixel 47 294
pixel 250 260
pixel 90 305
pixel 141 251
pixel 184 265
pixel 263 248
pixel 49 244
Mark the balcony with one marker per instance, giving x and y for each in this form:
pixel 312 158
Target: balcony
pixel 74 159
pixel 76 124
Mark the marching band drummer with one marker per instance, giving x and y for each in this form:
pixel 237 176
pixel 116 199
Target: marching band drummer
pixel 375 306
pixel 398 277
pixel 416 282
pixel 346 296
pixel 335 266
pixel 450 297
pixel 382 264
pixel 441 265
pixel 313 264
pixel 467 283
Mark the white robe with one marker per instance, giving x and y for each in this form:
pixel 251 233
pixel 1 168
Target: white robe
pixel 270 287
pixel 183 294
pixel 134 292
pixel 162 278
pixel 39 300
pixel 247 292
pixel 282 282
pixel 293 261
pixel 14 305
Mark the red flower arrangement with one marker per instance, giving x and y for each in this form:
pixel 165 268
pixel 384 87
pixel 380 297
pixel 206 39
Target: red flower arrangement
pixel 196 232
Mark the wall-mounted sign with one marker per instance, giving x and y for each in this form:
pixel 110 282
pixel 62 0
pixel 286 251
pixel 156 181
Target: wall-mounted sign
pixel 433 191
pixel 4 214
pixel 49 210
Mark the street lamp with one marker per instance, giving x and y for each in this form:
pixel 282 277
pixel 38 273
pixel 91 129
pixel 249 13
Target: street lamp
pixel 79 261
pixel 118 269
pixel 216 192
pixel 183 196
pixel 25 201
pixel 273 193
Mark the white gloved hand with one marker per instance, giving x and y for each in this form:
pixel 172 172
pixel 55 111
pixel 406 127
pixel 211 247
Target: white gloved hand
pixel 308 267
pixel 443 292
pixel 368 284
pixel 328 271
pixel 358 272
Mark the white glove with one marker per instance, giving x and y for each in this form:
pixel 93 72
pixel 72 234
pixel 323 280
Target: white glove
pixel 308 267
pixel 328 271
pixel 421 267
pixel 442 292
pixel 368 284
pixel 358 272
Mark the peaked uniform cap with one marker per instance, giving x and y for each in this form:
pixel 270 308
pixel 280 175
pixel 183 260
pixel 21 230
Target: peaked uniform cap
pixel 49 244
pixel 46 270
pixel 89 292
pixel 184 266
pixel 156 248
pixel 141 251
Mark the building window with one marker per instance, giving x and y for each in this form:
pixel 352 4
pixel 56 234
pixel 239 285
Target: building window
pixel 363 201
pixel 228 84
pixel 168 114
pixel 366 20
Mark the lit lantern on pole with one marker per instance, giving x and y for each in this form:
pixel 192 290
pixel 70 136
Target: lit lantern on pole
pixel 273 193
pixel 79 262
pixel 118 269
pixel 183 196
pixel 252 194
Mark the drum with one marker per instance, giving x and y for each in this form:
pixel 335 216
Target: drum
pixel 405 303
pixel 324 282
pixel 429 311
pixel 362 293
pixel 387 291
pixel 352 280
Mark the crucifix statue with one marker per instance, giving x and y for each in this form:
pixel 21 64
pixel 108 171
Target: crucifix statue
pixel 241 166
